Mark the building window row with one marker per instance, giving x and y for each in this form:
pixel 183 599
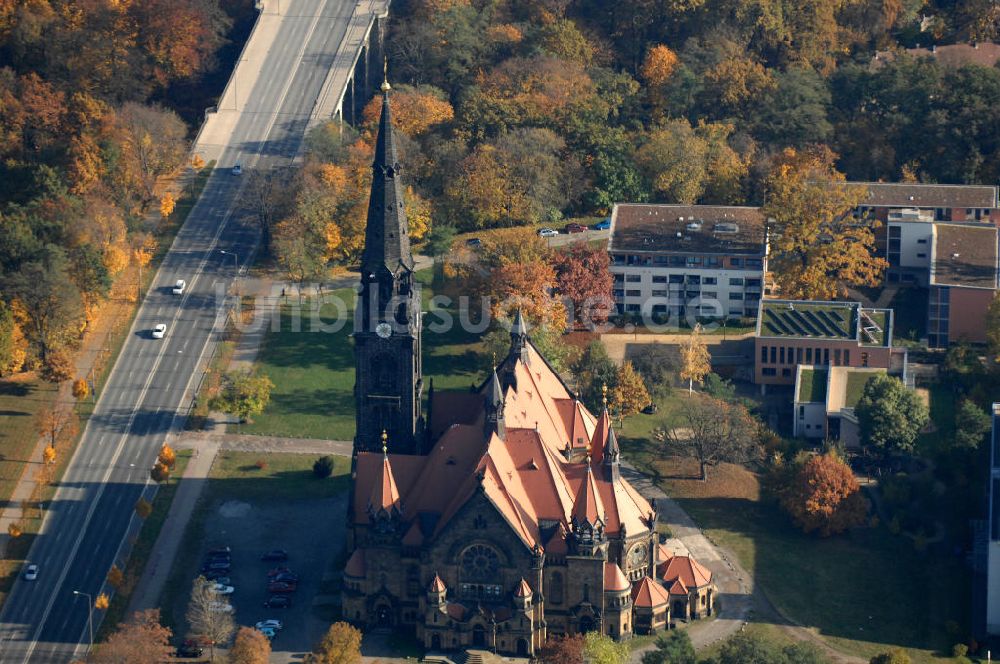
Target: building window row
pixel 681 260
pixel 800 355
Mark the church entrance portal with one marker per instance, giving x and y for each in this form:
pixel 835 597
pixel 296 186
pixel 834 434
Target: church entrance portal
pixel 436 642
pixel 479 636
pixel 383 617
pixel 522 648
pixel 586 624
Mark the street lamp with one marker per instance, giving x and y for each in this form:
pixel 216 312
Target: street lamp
pixel 90 616
pixel 233 254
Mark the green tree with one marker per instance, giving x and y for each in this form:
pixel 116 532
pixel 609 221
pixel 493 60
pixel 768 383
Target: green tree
pixel 593 371
pixel 972 424
pixel 244 394
pixel 323 467
pixel 656 363
pixel 719 388
pixel 674 648
pixel 889 415
pixel 993 327
pixel 601 649
pixel 795 113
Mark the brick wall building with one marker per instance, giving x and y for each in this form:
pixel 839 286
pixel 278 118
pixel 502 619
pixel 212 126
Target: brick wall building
pixel 963 282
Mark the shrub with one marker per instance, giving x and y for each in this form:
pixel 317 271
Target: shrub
pixel 959 650
pixel 260 464
pixel 323 467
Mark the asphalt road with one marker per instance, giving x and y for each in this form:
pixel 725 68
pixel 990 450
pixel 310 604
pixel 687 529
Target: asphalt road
pixel 92 513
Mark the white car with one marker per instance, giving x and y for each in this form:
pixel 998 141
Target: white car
pixel 179 287
pixel 222 589
pixel 31 572
pixel 271 623
pixel 159 331
pixel 547 232
pixel 269 632
pixel 220 607
pixel 238 169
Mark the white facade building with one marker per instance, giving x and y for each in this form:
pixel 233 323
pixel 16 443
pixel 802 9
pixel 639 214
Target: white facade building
pixel 688 261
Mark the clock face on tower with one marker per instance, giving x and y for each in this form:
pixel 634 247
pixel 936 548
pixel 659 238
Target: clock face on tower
pixel 383 330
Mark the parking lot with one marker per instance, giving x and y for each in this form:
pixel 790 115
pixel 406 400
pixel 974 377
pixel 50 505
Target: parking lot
pixel 310 530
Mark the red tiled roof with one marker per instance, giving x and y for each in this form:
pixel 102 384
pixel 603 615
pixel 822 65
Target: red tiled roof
pixel 523 589
pixel 355 566
pixel 587 506
pixel 385 494
pixel 688 570
pixel 649 594
pixel 525 474
pixel 437 585
pixel 455 611
pixel 614 578
pixel 678 588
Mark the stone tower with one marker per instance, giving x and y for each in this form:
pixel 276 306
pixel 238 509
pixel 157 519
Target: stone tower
pixel 388 373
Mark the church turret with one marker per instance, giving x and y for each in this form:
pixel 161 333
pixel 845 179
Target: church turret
pixel 384 505
pixel 494 407
pixel 522 596
pixel 519 336
pixel 588 516
pixel 387 331
pixel 436 592
pixel 612 457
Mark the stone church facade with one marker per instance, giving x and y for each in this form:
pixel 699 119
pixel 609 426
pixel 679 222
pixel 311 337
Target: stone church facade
pixel 501 518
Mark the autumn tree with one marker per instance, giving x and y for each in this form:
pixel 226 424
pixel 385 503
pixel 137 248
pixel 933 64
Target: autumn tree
pixel 57 366
pixel 159 472
pixel 153 143
pixel 657 68
pixel 167 456
pixel 102 602
pixel 993 327
pixel 250 647
pixel 526 287
pixel 824 496
pixel 47 424
pixel 415 110
pixel 681 162
pixel 80 389
pixel 143 509
pixel 116 577
pixel 167 204
pixel 244 394
pixel 818 248
pixel 566 649
pixel 300 250
pixel 13 346
pixel 270 195
pixel 49 299
pixel 890 416
pixel 203 616
pixel 49 455
pixel 630 395
pixel 583 275
pixel 340 645
pixel 695 359
pixel 141 640
pixel 712 432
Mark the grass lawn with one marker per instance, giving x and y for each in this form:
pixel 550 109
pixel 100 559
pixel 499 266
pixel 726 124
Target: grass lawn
pixel 20 402
pixel 860 591
pixel 313 372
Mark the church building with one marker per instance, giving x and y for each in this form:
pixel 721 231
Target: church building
pixel 502 517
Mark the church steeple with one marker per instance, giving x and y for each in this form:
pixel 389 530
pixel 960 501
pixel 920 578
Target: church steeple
pixel 494 407
pixel 387 240
pixel 388 372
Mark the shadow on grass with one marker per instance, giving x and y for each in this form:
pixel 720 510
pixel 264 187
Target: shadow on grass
pixel 866 587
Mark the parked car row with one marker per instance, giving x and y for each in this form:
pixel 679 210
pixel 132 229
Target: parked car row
pixel 281 581
pixel 575 228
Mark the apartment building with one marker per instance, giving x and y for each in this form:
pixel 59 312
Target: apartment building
pixel 908 211
pixel 826 334
pixel 963 280
pixel 688 261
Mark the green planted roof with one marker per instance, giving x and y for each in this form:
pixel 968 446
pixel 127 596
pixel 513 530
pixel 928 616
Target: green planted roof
pixel 812 386
pixel 825 320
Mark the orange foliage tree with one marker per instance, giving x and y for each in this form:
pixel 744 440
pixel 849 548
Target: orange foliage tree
pixel 414 110
pixel 818 249
pixel 658 66
pixel 141 640
pixel 583 275
pixel 824 496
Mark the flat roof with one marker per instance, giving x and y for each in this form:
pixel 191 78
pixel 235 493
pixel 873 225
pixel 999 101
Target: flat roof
pixel 914 194
pixel 806 319
pixel 964 255
pixel 984 54
pixel 721 229
pixel 812 385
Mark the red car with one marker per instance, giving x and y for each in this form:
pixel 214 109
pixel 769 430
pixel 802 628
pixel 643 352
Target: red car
pixel 575 228
pixel 281 587
pixel 278 570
